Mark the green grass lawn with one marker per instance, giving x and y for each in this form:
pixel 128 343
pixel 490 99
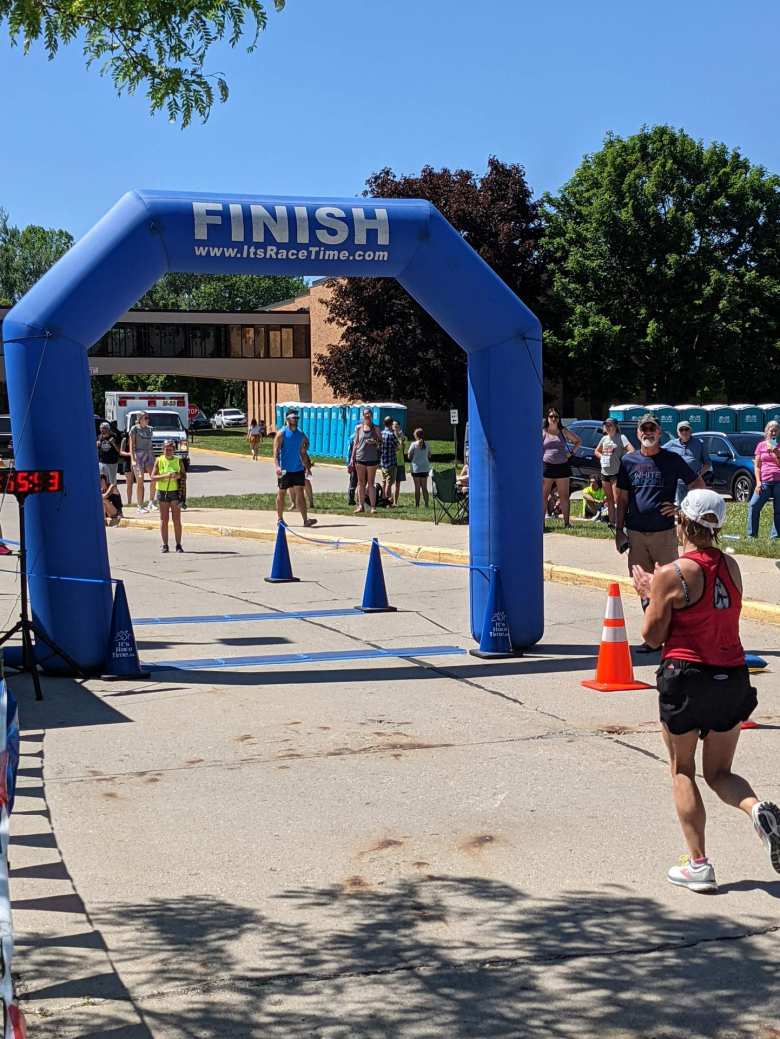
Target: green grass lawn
pixel 736 521
pixel 325 502
pixel 442 451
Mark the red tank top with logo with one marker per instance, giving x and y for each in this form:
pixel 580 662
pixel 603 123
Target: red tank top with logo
pixel 708 631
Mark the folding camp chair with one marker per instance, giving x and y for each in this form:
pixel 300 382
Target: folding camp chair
pixel 450 500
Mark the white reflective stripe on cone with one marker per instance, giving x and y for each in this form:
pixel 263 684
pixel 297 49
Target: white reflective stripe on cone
pixel 613 634
pixel 614 611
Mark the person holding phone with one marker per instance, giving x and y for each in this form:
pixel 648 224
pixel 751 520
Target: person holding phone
pixel 767 466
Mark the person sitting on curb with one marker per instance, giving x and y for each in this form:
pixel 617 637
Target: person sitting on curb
pixel 646 485
pixel 594 499
pixel 112 501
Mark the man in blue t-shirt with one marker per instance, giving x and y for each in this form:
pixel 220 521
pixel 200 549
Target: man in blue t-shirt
pixel 646 485
pixel 692 451
pixel 293 465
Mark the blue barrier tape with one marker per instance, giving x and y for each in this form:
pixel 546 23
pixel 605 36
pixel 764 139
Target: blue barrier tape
pixel 208 664
pixel 278 615
pixel 7 541
pixel 337 543
pixel 79 580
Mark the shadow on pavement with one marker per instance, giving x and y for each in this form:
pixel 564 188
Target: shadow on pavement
pixel 442 956
pixel 66 704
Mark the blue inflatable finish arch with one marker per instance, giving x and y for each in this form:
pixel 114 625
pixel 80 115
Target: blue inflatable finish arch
pixel 147 233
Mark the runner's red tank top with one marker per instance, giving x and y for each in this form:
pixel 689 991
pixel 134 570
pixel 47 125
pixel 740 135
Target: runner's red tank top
pixel 708 631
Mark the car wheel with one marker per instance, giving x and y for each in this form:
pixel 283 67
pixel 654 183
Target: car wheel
pixel 742 487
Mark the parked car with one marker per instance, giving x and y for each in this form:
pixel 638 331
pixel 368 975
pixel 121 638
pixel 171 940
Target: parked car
pixel 584 463
pixel 731 455
pixel 228 418
pixel 6 440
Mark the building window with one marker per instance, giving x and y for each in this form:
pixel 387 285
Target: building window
pixel 248 341
pixel 260 346
pixel 301 341
pixel 287 342
pixel 274 342
pixel 235 340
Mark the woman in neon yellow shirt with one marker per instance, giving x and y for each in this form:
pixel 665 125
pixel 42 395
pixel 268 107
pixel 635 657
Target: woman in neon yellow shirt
pixel 166 476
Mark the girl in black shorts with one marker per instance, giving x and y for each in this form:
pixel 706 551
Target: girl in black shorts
pixel 704 687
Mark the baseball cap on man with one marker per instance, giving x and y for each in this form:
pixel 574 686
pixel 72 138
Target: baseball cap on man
pixel 704 507
pixel 684 425
pixel 292 413
pixel 646 420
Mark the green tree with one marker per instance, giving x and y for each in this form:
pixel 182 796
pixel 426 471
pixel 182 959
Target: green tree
pixel 158 47
pixel 665 263
pixel 219 292
pixel 26 253
pixel 390 347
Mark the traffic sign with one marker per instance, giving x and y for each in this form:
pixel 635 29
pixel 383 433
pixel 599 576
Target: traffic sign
pixel 453 416
pixel 192 411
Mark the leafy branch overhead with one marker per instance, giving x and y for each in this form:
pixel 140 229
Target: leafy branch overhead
pixel 157 45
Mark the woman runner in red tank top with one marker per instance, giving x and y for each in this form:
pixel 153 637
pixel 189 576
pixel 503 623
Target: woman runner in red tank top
pixel 703 683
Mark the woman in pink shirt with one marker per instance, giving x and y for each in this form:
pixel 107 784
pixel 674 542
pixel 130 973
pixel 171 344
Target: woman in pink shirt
pixel 767 463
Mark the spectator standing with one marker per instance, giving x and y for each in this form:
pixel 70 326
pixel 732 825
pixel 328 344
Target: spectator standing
pixel 365 458
pixel 767 467
pixel 692 451
pixel 126 466
pixel 400 460
pixel 419 456
pixel 255 438
pixel 558 444
pixel 291 458
pixel 387 455
pixel 609 450
pixel 108 452
pixel 142 455
pixel 704 687
pixel 647 481
pixel 165 477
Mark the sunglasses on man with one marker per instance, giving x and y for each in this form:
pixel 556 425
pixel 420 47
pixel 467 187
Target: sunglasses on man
pixel 648 429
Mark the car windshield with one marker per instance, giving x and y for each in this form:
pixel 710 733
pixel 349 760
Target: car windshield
pixel 232 411
pixel 745 443
pixel 158 420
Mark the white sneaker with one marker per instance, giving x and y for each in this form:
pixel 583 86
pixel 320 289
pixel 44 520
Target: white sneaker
pixel 766 820
pixel 699 877
pixel 142 509
pixel 153 505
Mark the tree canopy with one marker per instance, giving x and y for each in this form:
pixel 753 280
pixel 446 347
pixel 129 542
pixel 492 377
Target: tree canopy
pixel 225 292
pixel 26 253
pixel 665 264
pixel 158 47
pixel 390 347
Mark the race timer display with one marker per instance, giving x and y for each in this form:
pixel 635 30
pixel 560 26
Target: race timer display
pixel 31 481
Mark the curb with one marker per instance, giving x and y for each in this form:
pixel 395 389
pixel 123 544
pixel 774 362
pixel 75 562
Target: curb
pixel 752 609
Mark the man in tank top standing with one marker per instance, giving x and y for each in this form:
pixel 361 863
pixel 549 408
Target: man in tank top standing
pixel 291 458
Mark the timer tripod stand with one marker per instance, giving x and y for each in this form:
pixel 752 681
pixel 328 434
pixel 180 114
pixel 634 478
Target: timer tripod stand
pixel 26 625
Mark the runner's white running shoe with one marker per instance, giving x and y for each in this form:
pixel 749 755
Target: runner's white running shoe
pixel 766 819
pixel 699 877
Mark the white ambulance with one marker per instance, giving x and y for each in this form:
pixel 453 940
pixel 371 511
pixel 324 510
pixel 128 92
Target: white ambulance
pixel 168 413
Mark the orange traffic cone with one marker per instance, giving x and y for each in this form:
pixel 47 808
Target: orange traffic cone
pixel 613 670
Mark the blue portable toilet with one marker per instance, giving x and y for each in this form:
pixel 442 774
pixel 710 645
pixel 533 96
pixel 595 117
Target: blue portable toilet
pixel 750 418
pixel 327 415
pixel 771 412
pixel 281 409
pixel 694 414
pixel 667 416
pixel 336 431
pixel 628 413
pixel 720 418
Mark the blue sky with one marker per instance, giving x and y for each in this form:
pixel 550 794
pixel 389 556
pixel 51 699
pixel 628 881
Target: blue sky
pixel 340 88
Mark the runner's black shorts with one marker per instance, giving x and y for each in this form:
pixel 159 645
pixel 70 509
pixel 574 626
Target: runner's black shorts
pixel 169 496
pixel 703 696
pixel 296 479
pixel 557 470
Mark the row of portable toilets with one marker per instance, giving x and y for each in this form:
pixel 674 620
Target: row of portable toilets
pixel 330 426
pixel 707 418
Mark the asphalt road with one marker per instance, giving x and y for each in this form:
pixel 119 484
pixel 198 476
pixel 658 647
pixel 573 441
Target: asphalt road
pixel 434 846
